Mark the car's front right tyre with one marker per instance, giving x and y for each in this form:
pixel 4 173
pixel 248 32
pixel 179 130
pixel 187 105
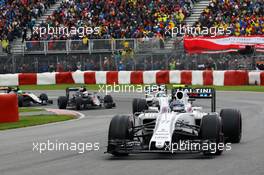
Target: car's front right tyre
pixel 120 129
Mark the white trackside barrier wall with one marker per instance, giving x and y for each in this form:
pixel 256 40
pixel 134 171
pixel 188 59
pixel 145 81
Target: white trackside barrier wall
pixel 78 77
pixel 254 78
pixel 100 77
pixel 218 78
pixel 124 77
pixel 197 77
pixel 46 78
pixel 175 77
pixel 149 77
pixel 9 80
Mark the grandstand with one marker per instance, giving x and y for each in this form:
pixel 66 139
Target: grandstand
pixel 133 34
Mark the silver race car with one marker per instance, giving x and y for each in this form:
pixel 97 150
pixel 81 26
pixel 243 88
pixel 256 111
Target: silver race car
pixel 177 127
pixel 26 99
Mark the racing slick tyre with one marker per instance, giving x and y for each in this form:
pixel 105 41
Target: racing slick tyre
pixel 43 97
pixel 139 105
pixel 120 129
pixel 20 101
pixel 211 130
pixel 24 101
pixel 232 125
pixel 62 102
pixel 79 103
pixel 108 101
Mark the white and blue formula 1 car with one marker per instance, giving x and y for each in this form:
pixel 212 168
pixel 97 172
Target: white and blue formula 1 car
pixel 155 95
pixel 177 122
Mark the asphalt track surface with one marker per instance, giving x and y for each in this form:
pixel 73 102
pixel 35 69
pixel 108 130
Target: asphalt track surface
pixel 18 158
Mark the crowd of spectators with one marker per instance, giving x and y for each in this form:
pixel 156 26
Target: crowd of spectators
pixel 17 16
pixel 126 18
pixel 227 62
pixel 117 18
pixel 236 17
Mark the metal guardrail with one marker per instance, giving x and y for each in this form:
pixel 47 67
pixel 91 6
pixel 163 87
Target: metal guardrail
pixel 1 50
pixel 92 46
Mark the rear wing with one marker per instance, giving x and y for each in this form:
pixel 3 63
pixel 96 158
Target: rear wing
pixel 71 89
pixel 198 93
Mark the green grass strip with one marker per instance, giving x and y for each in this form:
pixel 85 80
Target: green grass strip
pixel 97 87
pixel 27 109
pixel 26 121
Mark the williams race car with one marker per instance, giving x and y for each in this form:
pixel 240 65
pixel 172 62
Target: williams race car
pixel 26 99
pixel 80 98
pixel 154 95
pixel 176 124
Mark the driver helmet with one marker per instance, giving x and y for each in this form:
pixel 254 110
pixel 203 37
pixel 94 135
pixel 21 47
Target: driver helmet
pixel 82 89
pixel 85 94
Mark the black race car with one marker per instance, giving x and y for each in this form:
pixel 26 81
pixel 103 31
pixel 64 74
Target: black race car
pixel 80 98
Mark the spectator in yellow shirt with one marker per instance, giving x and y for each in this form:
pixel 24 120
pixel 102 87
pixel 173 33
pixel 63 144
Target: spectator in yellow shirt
pixel 5 44
pixel 85 40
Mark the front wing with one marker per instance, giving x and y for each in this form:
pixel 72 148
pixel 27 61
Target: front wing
pixel 135 147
